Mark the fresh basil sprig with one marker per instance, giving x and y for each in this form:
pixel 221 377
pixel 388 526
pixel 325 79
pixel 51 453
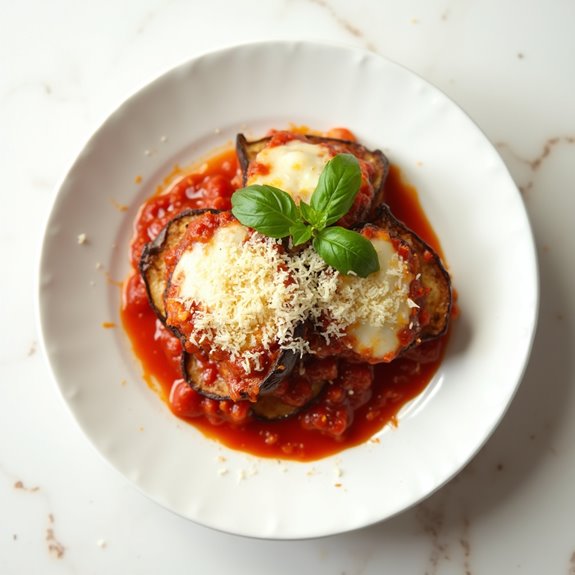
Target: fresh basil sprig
pixel 336 189
pixel 274 213
pixel 268 210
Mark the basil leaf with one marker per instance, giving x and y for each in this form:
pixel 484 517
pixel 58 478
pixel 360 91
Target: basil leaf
pixel 310 215
pixel 268 210
pixel 337 187
pixel 300 233
pixel 346 251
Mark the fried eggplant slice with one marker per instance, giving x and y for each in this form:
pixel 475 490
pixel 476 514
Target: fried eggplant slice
pixel 156 273
pixel 271 407
pixel 434 278
pixel 205 379
pixel 407 301
pixel 228 300
pixel 153 266
pixel 294 162
pixel 307 382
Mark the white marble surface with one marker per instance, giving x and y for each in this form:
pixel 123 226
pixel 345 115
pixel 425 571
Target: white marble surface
pixel 64 66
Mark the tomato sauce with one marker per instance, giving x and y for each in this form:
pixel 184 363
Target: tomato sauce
pixel 361 398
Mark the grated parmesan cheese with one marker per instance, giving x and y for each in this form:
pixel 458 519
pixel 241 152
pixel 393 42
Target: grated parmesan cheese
pixel 375 309
pixel 245 294
pixel 241 295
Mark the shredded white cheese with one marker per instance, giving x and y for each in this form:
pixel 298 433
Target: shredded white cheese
pixel 245 294
pixel 242 295
pixel 375 309
pixel 375 300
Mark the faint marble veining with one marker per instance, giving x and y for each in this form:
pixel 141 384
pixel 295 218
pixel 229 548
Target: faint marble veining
pixel 17 89
pixel 465 545
pixel 54 546
pixel 32 349
pixel 446 544
pixel 29 352
pixel 20 485
pixel 548 147
pixel 535 164
pixel 152 15
pixel 345 24
pixel 431 521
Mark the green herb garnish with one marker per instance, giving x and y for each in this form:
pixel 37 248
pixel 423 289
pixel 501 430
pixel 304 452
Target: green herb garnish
pixel 274 213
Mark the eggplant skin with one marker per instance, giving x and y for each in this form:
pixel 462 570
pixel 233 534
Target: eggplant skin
pixel 271 408
pixel 434 277
pixel 247 151
pixel 265 405
pixel 219 389
pixel 152 263
pixel 266 408
pixel 154 272
pixel 192 373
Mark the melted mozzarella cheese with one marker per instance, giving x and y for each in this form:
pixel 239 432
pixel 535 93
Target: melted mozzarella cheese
pixel 232 286
pixel 294 167
pixel 194 271
pixel 243 293
pixel 372 311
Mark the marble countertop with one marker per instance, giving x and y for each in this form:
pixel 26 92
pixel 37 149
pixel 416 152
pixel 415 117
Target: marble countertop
pixel 64 66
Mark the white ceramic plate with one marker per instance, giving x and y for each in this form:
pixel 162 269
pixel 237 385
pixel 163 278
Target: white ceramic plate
pixel 464 188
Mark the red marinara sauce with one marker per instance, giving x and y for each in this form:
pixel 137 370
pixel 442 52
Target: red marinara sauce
pixel 379 398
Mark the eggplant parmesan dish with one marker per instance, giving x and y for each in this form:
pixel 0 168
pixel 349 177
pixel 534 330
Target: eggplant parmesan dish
pixel 288 296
